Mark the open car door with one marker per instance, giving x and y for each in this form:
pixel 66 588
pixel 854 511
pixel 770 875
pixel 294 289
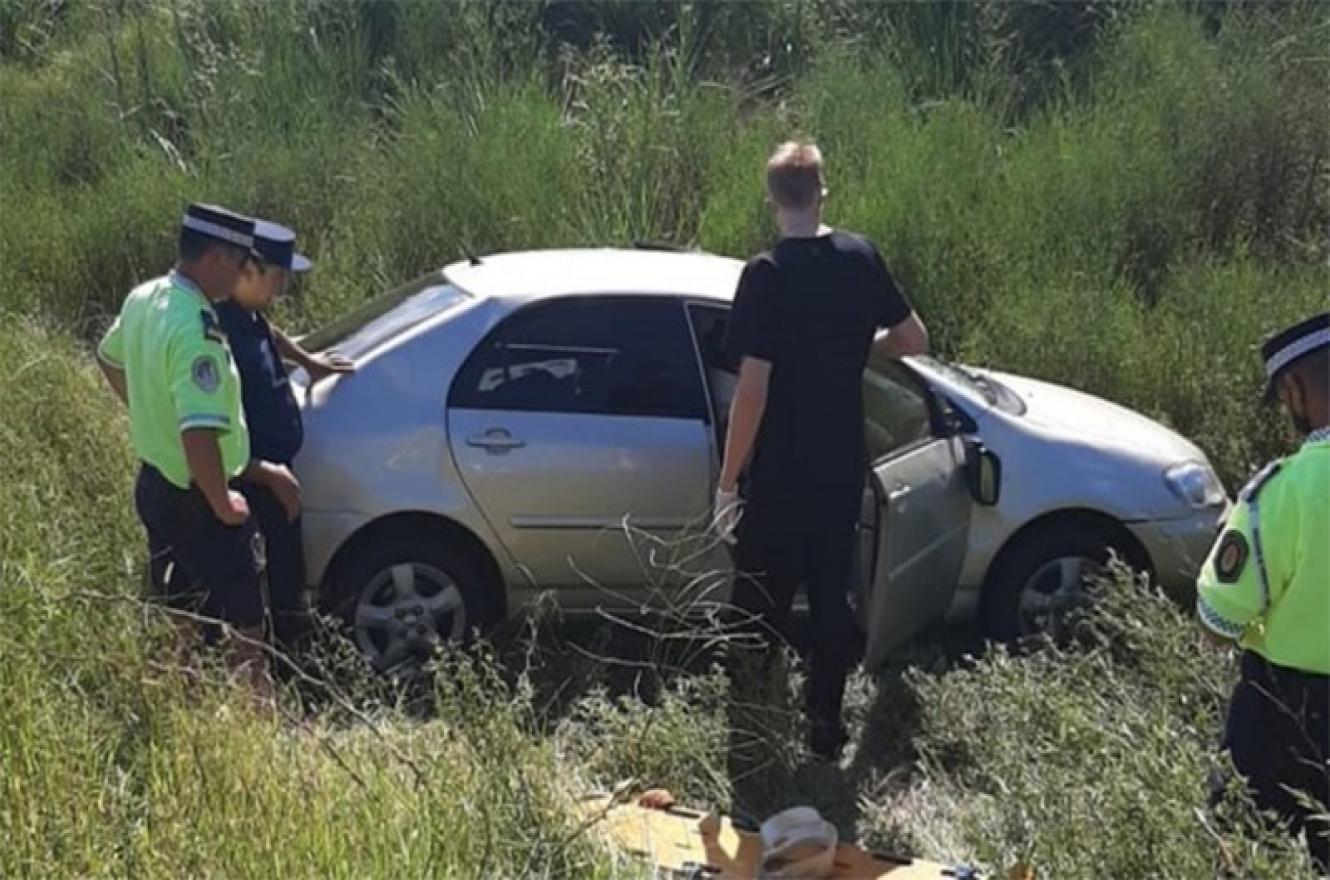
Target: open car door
pixel 916 512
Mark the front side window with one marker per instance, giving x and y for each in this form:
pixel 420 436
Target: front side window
pixel 896 412
pixel 629 356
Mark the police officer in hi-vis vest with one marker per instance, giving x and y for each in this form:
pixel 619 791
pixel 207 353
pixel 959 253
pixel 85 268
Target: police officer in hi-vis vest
pixel 167 357
pixel 1266 586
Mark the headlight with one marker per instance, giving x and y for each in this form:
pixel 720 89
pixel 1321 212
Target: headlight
pixel 1195 483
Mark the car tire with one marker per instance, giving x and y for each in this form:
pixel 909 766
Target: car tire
pixel 403 598
pixel 1039 580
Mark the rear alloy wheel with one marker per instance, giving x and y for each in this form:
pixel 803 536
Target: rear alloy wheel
pixel 404 600
pixel 1042 582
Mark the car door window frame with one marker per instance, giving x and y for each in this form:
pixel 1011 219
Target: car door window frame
pixel 692 307
pixel 464 393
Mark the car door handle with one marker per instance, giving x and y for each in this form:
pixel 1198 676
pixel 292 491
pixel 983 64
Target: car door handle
pixel 496 440
pixel 898 493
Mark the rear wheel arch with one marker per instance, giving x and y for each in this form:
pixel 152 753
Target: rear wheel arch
pixel 426 527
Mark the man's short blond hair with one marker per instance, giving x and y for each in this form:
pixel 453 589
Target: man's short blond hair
pixel 794 174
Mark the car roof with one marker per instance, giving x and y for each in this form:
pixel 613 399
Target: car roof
pixel 527 276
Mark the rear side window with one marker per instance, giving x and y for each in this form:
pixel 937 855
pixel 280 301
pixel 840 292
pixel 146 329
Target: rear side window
pixel 596 356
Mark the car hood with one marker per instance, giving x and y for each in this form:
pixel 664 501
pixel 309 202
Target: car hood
pixel 1073 415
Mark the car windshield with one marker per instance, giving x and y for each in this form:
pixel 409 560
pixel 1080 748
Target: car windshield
pixel 982 384
pixel 386 316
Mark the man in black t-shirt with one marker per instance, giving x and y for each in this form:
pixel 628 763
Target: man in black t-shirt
pixel 806 316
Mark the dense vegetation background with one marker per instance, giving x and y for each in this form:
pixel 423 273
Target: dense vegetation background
pixel 1125 197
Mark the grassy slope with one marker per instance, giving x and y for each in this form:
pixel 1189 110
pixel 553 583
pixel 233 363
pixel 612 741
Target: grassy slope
pixel 1134 231
pixel 113 763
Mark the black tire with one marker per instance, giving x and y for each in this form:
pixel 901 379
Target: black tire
pixel 401 598
pixel 1035 563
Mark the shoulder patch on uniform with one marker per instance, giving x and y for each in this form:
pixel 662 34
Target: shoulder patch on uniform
pixel 1258 482
pixel 212 329
pixel 1231 557
pixel 206 374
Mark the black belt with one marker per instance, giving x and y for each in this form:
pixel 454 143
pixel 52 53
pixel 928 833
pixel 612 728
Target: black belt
pixel 157 476
pixel 159 483
pixel 1258 669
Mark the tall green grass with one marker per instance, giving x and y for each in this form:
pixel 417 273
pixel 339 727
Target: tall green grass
pixel 1125 198
pixel 1066 236
pixel 1091 761
pixel 116 762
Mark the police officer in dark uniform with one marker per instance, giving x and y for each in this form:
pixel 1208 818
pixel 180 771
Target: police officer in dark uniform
pixel 275 427
pixel 1266 586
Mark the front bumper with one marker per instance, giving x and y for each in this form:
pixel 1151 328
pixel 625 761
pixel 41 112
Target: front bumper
pixel 1178 547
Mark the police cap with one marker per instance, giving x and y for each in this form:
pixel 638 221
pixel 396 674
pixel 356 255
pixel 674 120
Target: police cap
pixel 1284 349
pixel 219 223
pixel 276 246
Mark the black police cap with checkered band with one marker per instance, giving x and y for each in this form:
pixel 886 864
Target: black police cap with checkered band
pixel 1286 348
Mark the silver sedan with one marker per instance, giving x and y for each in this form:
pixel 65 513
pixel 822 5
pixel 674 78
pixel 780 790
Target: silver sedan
pixel 521 423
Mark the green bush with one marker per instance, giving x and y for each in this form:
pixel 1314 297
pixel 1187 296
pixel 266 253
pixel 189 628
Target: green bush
pixel 1123 198
pixel 1094 761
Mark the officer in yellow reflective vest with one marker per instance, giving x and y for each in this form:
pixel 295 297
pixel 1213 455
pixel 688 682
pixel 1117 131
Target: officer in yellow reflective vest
pixel 1266 585
pixel 167 357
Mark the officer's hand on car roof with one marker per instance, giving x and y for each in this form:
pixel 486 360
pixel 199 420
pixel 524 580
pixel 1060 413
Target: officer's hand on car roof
pixel 321 366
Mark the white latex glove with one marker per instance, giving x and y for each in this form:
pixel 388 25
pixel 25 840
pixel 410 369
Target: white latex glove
pixel 725 515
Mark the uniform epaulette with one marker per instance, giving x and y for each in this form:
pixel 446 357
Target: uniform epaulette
pixel 212 329
pixel 1258 482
